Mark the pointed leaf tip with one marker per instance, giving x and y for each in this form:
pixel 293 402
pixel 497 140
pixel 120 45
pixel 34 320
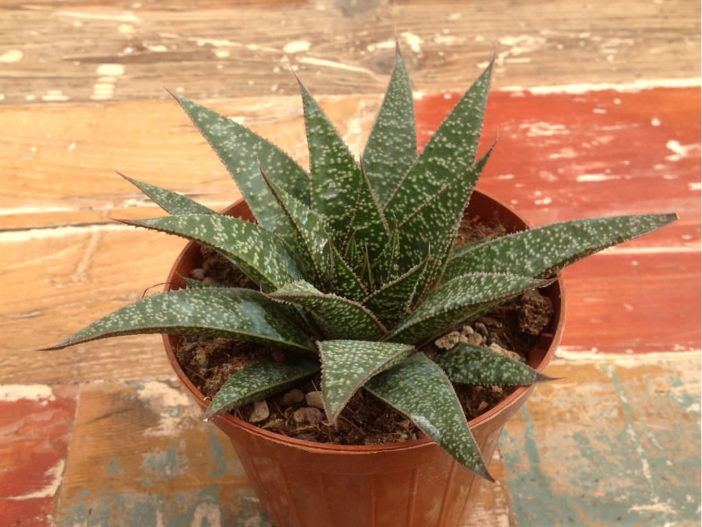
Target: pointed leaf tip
pixel 419 388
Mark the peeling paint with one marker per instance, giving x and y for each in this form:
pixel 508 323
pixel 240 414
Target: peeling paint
pixel 28 392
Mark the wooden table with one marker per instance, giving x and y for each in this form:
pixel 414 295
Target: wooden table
pixel 597 110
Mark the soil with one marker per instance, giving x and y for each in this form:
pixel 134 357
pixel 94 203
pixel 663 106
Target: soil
pixel 209 362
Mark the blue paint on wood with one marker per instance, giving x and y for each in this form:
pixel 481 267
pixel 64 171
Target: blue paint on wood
pixel 619 471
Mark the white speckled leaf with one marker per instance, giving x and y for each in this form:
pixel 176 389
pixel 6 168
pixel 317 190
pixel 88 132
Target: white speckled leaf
pixel 459 300
pixel 168 200
pixel 348 364
pixel 305 231
pixel 258 253
pixel 259 380
pixel 391 301
pixel 343 279
pixel 392 145
pixel 227 312
pixel 338 317
pixel 242 152
pixel 387 266
pixel 419 388
pixel 545 250
pixel 450 151
pixel 340 193
pixel 438 218
pixel 466 364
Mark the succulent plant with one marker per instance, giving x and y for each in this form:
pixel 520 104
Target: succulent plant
pixel 356 264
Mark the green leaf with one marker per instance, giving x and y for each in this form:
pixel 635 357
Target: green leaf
pixel 418 388
pixel 545 250
pixel 259 380
pixel 168 200
pixel 338 317
pixel 340 192
pixel 386 267
pixel 242 152
pixel 439 217
pixel 450 152
pixel 241 314
pixel 344 280
pixel 467 364
pixel 258 253
pixel 391 301
pixel 459 300
pixel 348 364
pixel 304 230
pixel 392 145
pixel 435 268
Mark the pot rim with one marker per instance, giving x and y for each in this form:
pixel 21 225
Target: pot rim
pixel 513 399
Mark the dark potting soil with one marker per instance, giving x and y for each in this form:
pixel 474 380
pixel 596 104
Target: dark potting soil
pixel 209 362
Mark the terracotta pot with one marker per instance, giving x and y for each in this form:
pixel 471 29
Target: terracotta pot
pixel 411 484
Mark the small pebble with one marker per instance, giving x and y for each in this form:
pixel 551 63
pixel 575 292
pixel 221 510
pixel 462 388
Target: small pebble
pixel 260 412
pixel 292 397
pixel 310 416
pixel 209 281
pixel 314 399
pixel 197 273
pixel 482 406
pixel 480 328
pixel 448 341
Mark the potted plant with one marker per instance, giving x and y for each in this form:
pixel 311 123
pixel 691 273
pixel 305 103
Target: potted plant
pixel 364 284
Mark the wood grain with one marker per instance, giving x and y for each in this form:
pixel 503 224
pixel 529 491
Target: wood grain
pixel 58 51
pixel 559 156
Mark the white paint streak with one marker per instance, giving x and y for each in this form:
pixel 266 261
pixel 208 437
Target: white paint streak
pixel 542 129
pixel 313 61
pixel 593 178
pixel 10 393
pixel 221 53
pixel 20 236
pixel 296 46
pixel 157 48
pixel 110 70
pixel 543 201
pixel 694 187
pixel 447 40
pixel 563 153
pixel 55 475
pixel 623 87
pixel 579 354
pixel 384 44
pixel 122 17
pixel 680 151
pixel 14 55
pixel 413 41
pixel 125 29
pixel 54 96
pixel 655 121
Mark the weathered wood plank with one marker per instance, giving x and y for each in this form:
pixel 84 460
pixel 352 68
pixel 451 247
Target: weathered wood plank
pixel 616 442
pixel 86 50
pixel 560 156
pixel 174 469
pixel 141 455
pixel 35 428
pixel 80 276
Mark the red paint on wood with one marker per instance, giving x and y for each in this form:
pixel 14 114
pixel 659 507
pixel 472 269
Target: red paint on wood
pixel 634 303
pixel 34 435
pixel 565 156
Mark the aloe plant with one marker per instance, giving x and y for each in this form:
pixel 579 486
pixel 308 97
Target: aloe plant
pixel 356 266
